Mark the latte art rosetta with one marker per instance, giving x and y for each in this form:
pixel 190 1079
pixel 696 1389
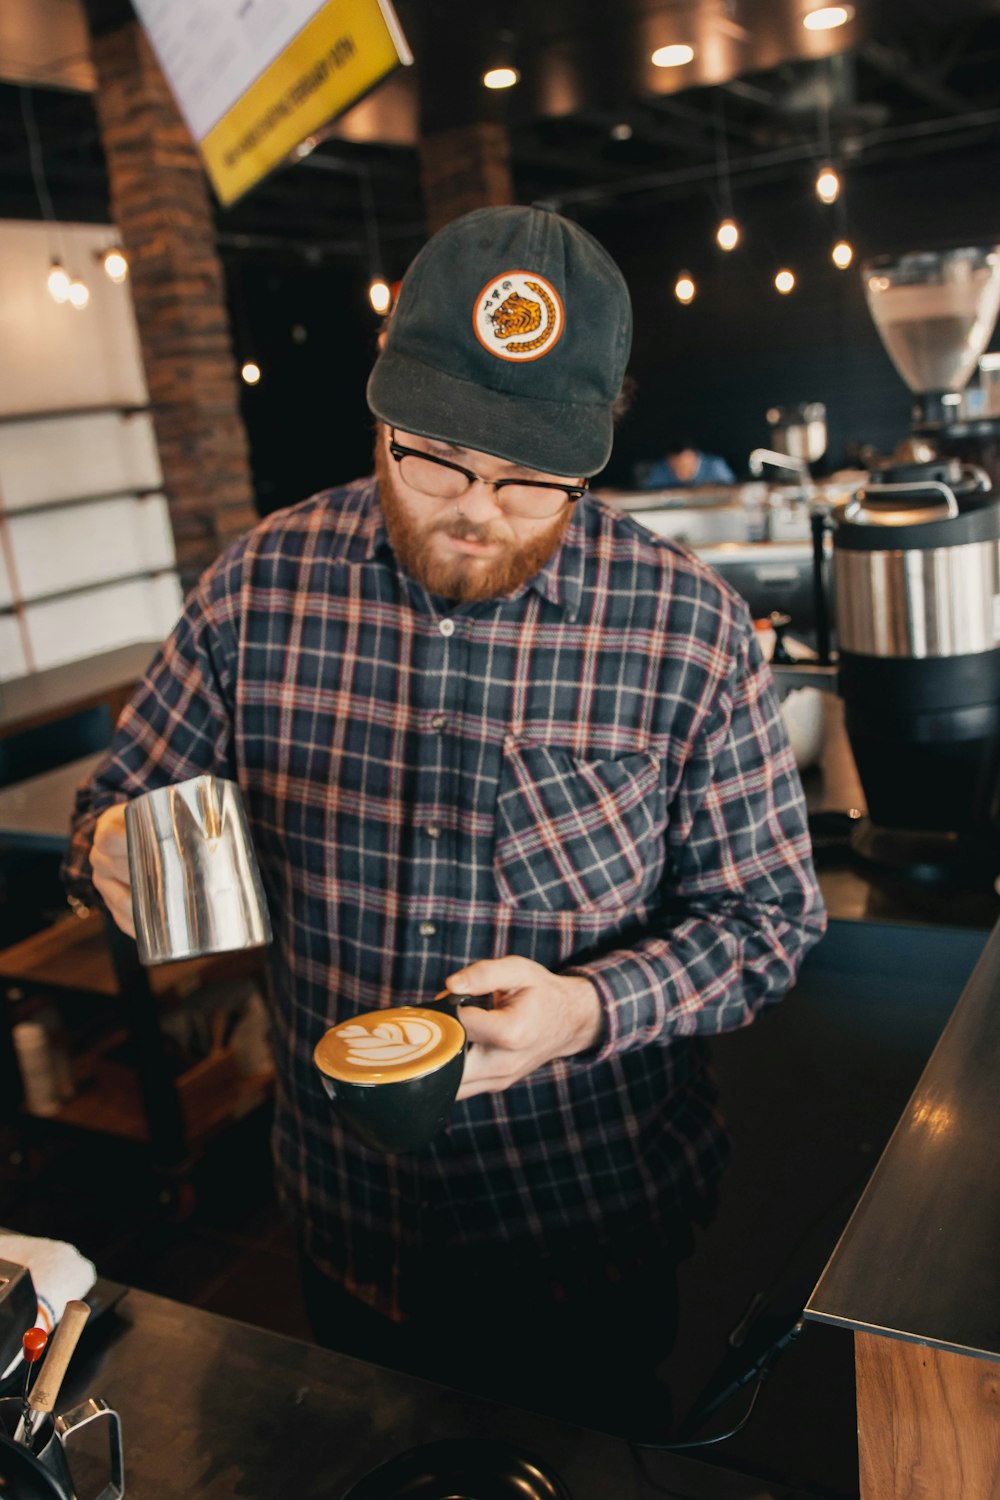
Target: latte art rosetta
pixel 390 1042
pixel 387 1046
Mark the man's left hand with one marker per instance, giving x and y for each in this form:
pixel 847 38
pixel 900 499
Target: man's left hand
pixel 537 1016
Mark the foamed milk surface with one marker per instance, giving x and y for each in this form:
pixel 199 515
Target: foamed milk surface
pixel 389 1044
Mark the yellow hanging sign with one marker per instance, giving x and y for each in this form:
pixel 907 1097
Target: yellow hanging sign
pixel 339 56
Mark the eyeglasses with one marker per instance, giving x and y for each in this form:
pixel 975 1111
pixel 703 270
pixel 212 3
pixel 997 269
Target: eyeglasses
pixel 532 498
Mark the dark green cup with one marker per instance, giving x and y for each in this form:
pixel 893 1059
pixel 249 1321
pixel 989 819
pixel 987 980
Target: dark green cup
pixel 392 1075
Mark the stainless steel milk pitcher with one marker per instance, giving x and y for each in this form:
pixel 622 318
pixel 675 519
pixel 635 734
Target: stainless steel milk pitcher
pixel 196 886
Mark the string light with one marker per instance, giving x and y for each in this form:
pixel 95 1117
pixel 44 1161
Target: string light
pixel 828 17
pixel 250 372
pixel 79 294
pixel 115 265
pixel 728 234
pixel 379 295
pixel 674 56
pixel 827 185
pixel 684 288
pixel 842 254
pixel 58 282
pixel 501 78
pixel 784 282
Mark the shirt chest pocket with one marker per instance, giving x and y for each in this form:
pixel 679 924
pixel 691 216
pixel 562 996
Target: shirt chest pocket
pixel 576 835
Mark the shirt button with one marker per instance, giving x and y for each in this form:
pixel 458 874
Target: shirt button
pixel 432 831
pixel 447 627
pixel 438 721
pixel 427 929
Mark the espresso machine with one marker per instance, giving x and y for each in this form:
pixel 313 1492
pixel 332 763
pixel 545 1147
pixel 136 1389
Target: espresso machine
pixel 916 570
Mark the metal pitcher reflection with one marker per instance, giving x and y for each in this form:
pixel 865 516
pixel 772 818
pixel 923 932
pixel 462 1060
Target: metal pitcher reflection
pixel 196 886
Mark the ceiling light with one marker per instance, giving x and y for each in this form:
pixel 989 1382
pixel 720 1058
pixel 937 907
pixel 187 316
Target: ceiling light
pixel 115 265
pixel 842 254
pixel 952 399
pixel 828 17
pixel 501 78
pixel 674 56
pixel 250 372
pixel 79 295
pixel 622 132
pixel 989 362
pixel 379 295
pixel 784 282
pixel 827 185
pixel 684 288
pixel 58 282
pixel 728 234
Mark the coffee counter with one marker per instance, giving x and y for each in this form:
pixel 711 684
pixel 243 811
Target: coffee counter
pixel 219 1410
pixel 917 1276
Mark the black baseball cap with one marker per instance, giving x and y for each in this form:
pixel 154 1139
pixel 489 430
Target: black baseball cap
pixel 510 335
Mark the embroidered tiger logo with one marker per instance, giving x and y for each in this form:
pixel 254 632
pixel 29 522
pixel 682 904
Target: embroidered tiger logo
pixel 518 315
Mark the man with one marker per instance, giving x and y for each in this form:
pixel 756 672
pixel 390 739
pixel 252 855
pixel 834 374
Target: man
pixel 495 736
pixel 684 467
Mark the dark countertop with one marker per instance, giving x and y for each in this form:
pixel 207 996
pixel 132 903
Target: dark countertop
pixel 919 1257
pixel 217 1409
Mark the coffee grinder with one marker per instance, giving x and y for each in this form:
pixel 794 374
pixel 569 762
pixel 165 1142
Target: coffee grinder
pixel 916 568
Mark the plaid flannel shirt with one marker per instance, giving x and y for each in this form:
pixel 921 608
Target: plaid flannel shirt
pixel 591 772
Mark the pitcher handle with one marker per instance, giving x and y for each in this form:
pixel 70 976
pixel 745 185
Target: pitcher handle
pixel 89 1411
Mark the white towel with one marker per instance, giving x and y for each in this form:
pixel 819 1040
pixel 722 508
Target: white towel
pixel 59 1272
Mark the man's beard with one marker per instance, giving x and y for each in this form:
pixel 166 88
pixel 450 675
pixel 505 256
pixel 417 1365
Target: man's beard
pixel 462 579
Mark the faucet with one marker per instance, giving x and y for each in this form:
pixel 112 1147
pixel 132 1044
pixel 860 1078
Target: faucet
pixel 761 456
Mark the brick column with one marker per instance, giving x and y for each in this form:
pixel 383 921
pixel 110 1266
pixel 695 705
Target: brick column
pixel 160 203
pixel 464 168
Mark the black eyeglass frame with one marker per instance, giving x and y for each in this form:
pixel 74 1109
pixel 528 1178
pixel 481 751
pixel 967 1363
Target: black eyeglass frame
pixel 573 492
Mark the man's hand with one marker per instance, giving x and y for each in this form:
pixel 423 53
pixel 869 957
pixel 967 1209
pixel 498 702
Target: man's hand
pixel 537 1016
pixel 109 863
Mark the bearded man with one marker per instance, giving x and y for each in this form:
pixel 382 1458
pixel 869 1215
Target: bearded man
pixel 493 736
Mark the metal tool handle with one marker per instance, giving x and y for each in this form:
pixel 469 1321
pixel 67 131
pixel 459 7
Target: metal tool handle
pixel 93 1410
pixel 58 1355
pixel 856 510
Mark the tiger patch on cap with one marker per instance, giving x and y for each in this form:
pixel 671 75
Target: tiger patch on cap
pixel 518 316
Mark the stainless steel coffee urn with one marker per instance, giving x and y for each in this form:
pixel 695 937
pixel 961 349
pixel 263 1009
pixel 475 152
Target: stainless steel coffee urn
pixel 916 567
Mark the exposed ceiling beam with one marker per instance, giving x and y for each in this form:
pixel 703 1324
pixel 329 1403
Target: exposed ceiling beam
pixel 903 70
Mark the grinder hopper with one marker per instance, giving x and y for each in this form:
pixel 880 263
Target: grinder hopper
pixel 935 312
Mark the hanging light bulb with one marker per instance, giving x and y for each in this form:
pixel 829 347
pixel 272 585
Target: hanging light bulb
pixel 501 78
pixel 684 288
pixel 674 56
pixel 115 265
pixel 250 372
pixel 827 17
pixel 827 185
pixel 784 282
pixel 79 294
pixel 379 295
pixel 842 254
pixel 58 282
pixel 728 234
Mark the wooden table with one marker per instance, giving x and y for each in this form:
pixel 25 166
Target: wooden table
pixel 42 697
pixel 35 814
pixel 916 1274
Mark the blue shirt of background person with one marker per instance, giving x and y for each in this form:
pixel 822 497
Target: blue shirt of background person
pixel 684 466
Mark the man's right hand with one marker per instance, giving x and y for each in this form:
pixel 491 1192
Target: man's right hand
pixel 109 863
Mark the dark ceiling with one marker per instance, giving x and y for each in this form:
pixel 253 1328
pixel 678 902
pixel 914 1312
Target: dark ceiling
pixel 592 126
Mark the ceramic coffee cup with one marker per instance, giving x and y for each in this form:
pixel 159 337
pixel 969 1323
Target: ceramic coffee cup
pixel 392 1075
